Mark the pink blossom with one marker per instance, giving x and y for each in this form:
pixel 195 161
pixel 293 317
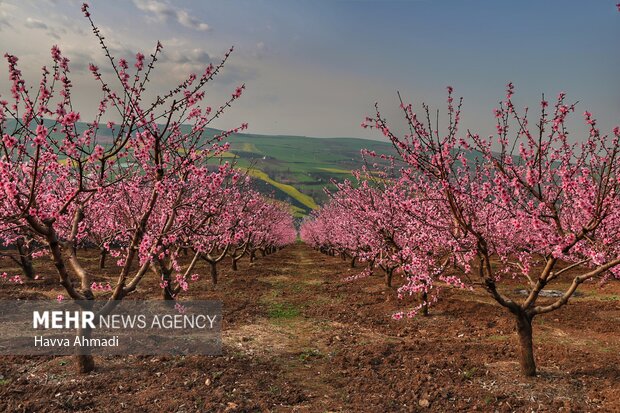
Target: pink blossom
pixel 9 141
pixel 70 118
pixel 41 135
pixel 139 61
pixel 238 92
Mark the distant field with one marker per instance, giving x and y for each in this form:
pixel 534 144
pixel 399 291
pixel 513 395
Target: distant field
pixel 290 190
pixel 298 168
pixel 295 169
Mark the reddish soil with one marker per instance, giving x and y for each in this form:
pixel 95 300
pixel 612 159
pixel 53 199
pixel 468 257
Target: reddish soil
pixel 297 337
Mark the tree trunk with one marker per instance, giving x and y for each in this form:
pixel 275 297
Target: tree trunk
pixel 262 252
pixel 167 291
pixel 524 330
pixel 25 257
pixel 234 264
pixel 388 277
pixel 85 363
pixel 213 273
pixel 353 262
pixel 102 255
pixel 84 358
pixel 424 303
pixel 252 255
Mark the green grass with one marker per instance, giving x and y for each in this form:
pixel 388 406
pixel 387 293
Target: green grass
pixel 309 354
pixel 469 373
pixel 227 155
pixel 335 170
pixel 249 147
pixel 298 212
pixel 288 189
pixel 282 311
pixel 498 337
pixel 302 163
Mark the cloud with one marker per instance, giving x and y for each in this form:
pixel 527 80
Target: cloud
pixel 35 24
pixel 81 53
pixel 4 16
pixel 182 51
pixel 4 23
pixel 55 33
pixel 193 56
pixel 233 74
pixel 162 11
pixel 165 12
pixel 186 20
pixel 180 58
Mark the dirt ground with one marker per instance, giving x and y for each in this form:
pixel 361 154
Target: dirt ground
pixel 297 337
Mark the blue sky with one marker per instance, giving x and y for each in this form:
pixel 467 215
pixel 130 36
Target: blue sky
pixel 317 67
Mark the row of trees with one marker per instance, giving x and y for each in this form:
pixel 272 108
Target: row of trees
pixel 223 218
pixel 141 181
pixel 528 203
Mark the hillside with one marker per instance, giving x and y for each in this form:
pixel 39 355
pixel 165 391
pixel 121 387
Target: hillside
pixel 295 169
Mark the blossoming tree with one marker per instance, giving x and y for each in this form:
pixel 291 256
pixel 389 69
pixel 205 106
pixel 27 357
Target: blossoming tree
pixel 526 203
pixel 55 177
pixel 540 204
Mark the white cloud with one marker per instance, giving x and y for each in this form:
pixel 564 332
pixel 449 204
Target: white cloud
pixel 186 20
pixel 35 24
pixel 164 12
pixel 4 22
pixel 4 16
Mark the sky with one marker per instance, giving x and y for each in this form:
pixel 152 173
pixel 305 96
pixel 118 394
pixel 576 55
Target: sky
pixel 317 67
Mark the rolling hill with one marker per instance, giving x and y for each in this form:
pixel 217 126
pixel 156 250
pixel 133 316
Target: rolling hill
pixel 295 169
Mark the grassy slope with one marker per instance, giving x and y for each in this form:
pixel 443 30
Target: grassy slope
pixel 295 169
pixel 300 167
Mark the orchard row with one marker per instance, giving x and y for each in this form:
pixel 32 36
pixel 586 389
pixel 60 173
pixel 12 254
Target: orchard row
pixel 141 182
pixel 453 209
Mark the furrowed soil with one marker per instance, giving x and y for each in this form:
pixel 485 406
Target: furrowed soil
pixel 299 337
